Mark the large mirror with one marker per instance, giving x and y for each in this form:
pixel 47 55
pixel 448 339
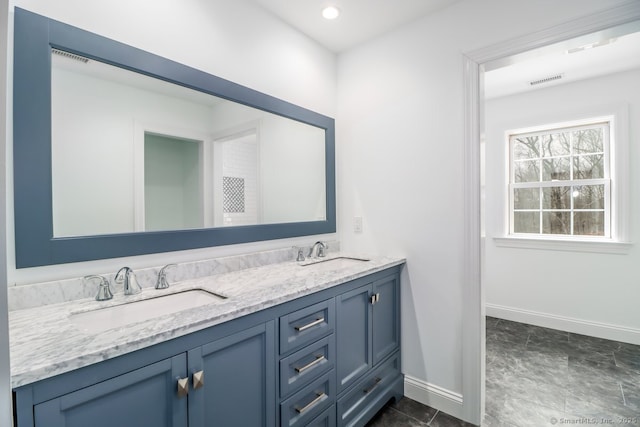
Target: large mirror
pixel 119 152
pixel 157 156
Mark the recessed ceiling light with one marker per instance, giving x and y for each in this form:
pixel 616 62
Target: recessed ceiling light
pixel 330 12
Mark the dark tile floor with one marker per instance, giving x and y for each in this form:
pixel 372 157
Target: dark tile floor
pixel 537 377
pixel 542 377
pixel 410 413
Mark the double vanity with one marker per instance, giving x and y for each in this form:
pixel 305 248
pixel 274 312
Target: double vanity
pixel 312 343
pixel 253 340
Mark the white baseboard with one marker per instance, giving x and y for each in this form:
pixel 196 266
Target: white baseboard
pixel 577 326
pixel 434 396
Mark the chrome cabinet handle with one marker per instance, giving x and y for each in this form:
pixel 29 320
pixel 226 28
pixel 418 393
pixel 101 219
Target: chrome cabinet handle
pixel 319 358
pixel 319 397
pixel 183 387
pixel 198 379
pixel 309 325
pixel 375 298
pixel 375 384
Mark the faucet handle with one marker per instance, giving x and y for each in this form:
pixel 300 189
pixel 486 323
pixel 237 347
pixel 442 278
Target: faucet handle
pixel 161 282
pixel 104 290
pixel 322 250
pixel 300 254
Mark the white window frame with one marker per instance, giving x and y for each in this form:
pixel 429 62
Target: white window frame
pixel 571 182
pixel 618 242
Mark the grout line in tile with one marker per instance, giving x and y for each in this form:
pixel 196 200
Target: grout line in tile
pixel 433 418
pixel 624 399
pixel 407 415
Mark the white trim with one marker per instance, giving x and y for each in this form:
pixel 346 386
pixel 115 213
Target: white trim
pixel 570 245
pixel 434 396
pixel 473 300
pixel 472 297
pixel 563 323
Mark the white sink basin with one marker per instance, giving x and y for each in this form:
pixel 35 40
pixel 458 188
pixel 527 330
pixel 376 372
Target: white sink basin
pixel 116 316
pixel 333 263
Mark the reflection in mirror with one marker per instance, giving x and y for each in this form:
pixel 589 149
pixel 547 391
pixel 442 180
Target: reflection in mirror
pixel 134 153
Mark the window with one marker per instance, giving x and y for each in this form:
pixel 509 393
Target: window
pixel 560 181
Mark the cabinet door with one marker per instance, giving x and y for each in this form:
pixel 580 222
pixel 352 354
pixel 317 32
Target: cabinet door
pixel 144 397
pixel 386 317
pixel 353 335
pixel 239 378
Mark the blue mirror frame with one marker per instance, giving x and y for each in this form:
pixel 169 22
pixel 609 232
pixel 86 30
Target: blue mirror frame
pixel 35 36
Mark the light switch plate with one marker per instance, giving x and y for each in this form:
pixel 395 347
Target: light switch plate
pixel 357 224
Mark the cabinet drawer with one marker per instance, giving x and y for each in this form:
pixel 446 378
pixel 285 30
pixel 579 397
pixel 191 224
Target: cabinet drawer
pixel 370 393
pixel 326 419
pixel 309 403
pixel 298 369
pixel 305 326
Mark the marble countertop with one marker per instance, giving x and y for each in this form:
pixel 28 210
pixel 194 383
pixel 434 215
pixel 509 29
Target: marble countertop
pixel 46 342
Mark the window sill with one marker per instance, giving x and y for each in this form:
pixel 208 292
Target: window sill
pixel 560 244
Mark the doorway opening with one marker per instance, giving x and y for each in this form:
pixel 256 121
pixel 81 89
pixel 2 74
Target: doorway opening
pixel 478 193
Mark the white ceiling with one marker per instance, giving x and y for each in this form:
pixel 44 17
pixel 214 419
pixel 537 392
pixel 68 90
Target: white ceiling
pixel 621 53
pixel 359 20
pixel 363 20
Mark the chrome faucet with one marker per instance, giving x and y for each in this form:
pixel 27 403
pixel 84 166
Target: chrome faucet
pixel 131 286
pixel 161 282
pixel 320 252
pixel 104 290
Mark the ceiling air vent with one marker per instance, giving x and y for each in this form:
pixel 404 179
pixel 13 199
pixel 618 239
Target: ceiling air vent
pixel 70 55
pixel 546 79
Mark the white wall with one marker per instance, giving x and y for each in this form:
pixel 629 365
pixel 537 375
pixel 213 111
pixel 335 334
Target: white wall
pixel 229 39
pixel 581 292
pixel 400 166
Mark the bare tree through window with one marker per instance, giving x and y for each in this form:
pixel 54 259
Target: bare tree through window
pixel 560 181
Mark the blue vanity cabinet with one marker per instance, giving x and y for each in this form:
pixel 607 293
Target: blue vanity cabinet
pixel 385 318
pixel 138 398
pixel 307 359
pixel 354 335
pixel 229 382
pixel 237 383
pixel 368 342
pixel 368 325
pixel 330 358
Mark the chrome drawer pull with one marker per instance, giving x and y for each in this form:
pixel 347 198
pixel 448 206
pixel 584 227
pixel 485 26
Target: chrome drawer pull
pixel 376 384
pixel 319 397
pixel 310 325
pixel 317 360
